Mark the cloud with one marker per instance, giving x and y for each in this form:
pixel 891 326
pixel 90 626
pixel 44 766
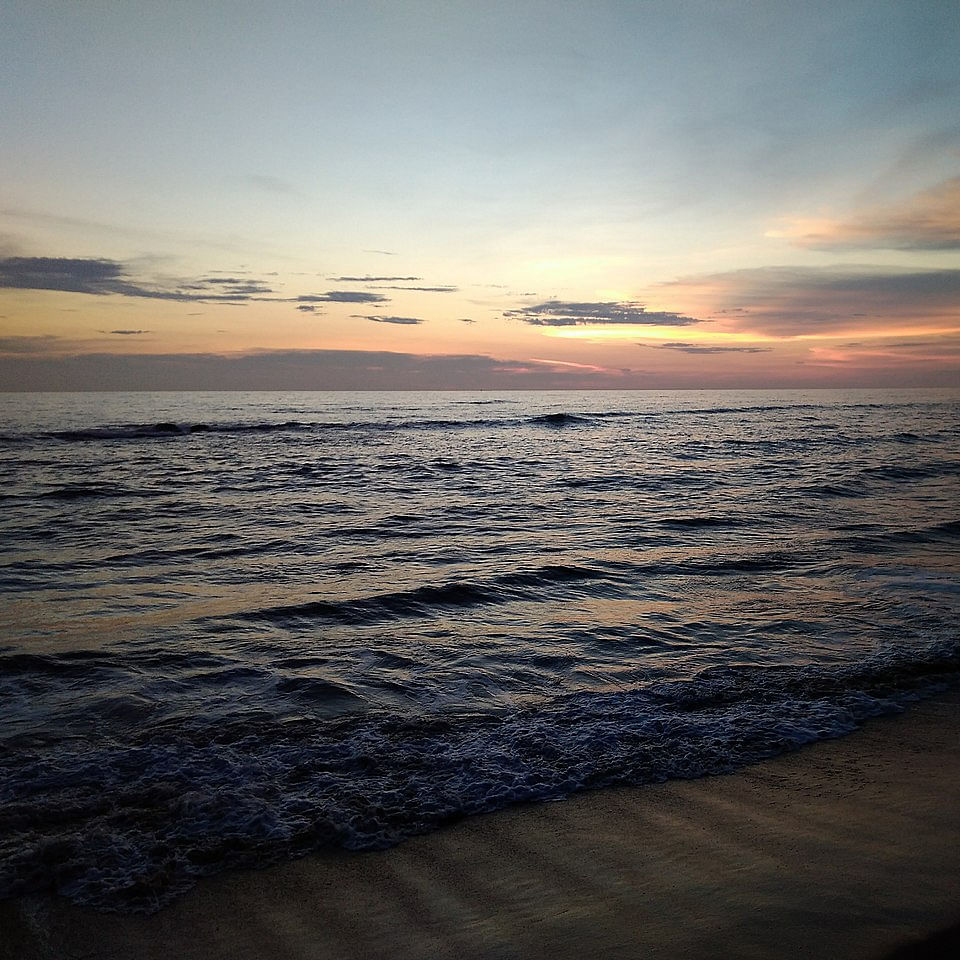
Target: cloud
pixel 824 301
pixel 951 344
pixel 102 277
pixel 928 221
pixel 404 321
pixel 56 273
pixel 466 320
pixel 559 313
pixel 441 289
pixel 235 288
pixel 343 296
pixel 571 365
pixel 307 307
pixel 291 370
pixel 234 285
pixel 372 279
pixel 383 253
pixel 50 369
pixel 705 348
pixel 125 333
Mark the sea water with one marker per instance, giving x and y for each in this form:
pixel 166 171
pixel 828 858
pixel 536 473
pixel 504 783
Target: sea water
pixel 235 628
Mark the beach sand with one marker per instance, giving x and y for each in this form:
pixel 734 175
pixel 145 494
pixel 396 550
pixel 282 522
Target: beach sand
pixel 848 848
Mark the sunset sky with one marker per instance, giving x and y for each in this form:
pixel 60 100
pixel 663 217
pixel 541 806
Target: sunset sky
pixel 484 194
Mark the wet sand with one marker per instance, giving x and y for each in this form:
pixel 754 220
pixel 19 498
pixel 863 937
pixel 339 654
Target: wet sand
pixel 847 849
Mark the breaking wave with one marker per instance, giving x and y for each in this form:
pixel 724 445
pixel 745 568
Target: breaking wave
pixel 129 824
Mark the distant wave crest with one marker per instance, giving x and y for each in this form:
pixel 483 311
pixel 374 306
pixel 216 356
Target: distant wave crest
pixel 168 429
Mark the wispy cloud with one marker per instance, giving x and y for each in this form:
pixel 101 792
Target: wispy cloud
pixel 342 296
pixel 125 333
pixel 402 321
pixel 696 348
pixel 928 221
pixel 561 313
pixel 440 289
pixel 369 279
pixel 569 365
pixel 233 287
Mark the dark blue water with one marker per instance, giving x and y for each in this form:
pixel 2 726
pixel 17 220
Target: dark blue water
pixel 238 627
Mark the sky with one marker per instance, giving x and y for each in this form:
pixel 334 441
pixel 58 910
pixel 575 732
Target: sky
pixel 479 195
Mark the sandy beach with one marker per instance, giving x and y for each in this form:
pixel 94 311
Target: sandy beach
pixel 847 849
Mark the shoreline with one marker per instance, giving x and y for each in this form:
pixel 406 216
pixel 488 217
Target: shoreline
pixel 848 848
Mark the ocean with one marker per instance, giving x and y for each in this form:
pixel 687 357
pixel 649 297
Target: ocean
pixel 237 628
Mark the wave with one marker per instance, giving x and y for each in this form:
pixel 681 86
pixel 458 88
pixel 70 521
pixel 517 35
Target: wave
pixel 127 825
pixel 695 522
pixel 428 599
pixel 170 430
pixel 947 531
pixel 316 689
pixel 755 563
pixel 559 419
pixel 918 471
pixel 97 491
pixel 167 430
pixel 849 491
pixel 82 491
pixel 72 663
